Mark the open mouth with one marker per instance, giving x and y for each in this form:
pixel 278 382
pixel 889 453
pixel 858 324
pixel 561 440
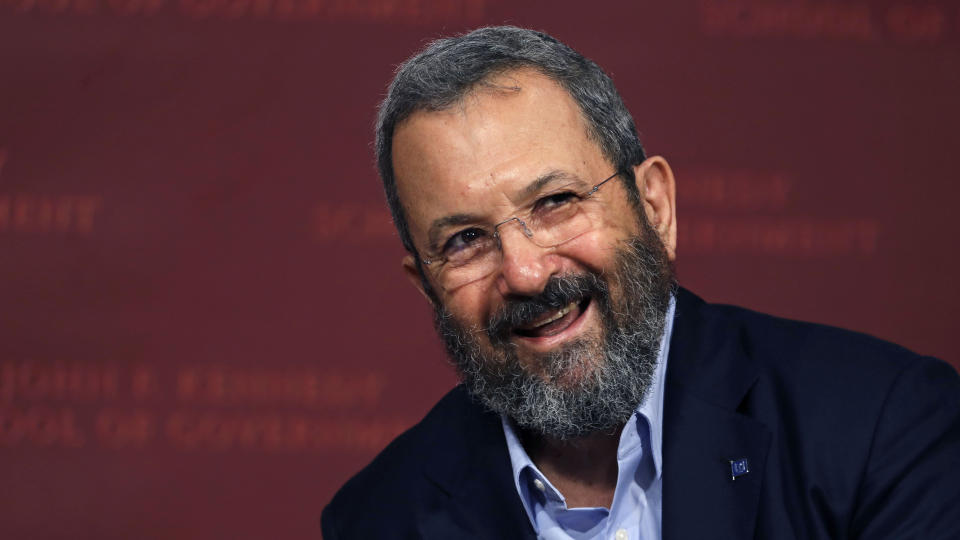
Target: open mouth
pixel 553 322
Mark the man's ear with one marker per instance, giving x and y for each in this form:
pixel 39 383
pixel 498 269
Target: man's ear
pixel 658 193
pixel 413 274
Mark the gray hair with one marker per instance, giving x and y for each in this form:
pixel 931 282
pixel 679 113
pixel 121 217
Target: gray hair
pixel 440 75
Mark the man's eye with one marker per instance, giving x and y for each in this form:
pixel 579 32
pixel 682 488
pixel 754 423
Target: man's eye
pixel 556 200
pixel 463 240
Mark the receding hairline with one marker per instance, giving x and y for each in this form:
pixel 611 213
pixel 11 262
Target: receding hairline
pixel 489 85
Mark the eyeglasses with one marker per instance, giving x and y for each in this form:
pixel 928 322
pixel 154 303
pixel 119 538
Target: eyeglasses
pixel 474 253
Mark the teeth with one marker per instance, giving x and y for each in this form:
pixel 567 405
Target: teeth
pixel 559 314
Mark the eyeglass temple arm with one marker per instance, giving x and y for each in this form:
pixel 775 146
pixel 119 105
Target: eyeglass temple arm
pixel 597 187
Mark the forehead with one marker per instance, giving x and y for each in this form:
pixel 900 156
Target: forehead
pixel 481 152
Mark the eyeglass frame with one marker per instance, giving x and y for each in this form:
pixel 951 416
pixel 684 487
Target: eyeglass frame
pixel 526 230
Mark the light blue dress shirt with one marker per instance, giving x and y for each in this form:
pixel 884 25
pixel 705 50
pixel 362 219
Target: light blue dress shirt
pixel 636 509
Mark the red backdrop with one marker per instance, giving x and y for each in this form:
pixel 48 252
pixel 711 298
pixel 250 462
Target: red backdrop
pixel 204 326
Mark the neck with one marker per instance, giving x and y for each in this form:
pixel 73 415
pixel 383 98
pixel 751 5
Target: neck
pixel 583 469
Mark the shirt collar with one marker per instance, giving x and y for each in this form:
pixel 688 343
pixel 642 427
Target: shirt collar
pixel 652 408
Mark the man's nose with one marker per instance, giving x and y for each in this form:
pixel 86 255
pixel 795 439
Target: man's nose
pixel 525 267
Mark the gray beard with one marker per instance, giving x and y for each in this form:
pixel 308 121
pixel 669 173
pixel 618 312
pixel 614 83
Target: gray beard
pixel 616 368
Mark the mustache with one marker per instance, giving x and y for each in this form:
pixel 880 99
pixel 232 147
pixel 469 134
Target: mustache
pixel 559 292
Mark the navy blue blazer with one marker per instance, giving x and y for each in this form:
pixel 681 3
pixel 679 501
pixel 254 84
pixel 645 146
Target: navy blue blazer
pixel 846 436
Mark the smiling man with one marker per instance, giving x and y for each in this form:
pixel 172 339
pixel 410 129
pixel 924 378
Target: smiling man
pixel 600 400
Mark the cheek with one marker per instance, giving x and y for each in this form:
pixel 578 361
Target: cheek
pixel 596 250
pixel 470 306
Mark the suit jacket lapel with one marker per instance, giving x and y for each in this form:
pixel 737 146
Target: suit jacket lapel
pixel 476 496
pixel 708 376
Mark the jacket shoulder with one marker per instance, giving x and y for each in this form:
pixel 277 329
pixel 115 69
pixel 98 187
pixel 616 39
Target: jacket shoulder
pixel 795 346
pixel 831 374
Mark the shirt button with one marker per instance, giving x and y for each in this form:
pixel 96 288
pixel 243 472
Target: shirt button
pixel 539 485
pixel 621 535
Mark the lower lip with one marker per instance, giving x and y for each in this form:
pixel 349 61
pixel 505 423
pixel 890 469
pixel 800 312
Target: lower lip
pixel 545 343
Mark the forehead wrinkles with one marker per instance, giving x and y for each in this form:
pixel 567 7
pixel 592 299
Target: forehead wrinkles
pixel 516 105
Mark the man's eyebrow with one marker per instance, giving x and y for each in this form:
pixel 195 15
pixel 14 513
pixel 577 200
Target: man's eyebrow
pixel 545 180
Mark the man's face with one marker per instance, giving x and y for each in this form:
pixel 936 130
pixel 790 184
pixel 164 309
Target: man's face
pixel 546 315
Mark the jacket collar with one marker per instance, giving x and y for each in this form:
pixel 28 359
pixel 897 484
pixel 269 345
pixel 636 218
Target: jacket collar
pixel 707 354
